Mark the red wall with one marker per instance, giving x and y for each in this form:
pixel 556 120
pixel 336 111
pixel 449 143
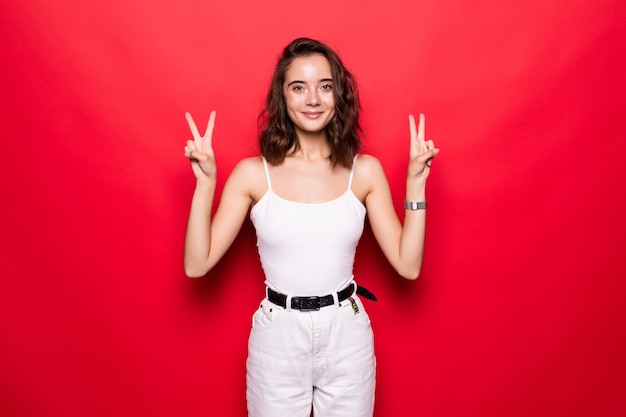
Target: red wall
pixel 520 308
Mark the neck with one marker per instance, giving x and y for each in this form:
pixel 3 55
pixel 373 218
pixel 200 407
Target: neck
pixel 313 146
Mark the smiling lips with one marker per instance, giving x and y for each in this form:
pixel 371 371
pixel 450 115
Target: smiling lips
pixel 312 115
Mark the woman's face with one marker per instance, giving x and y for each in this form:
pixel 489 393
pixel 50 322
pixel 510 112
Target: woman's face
pixel 308 92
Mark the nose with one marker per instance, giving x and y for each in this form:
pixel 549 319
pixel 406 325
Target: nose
pixel 313 98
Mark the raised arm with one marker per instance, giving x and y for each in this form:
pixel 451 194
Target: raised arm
pixel 402 244
pixel 206 239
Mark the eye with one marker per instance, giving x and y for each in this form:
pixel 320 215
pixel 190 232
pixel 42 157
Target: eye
pixel 327 87
pixel 297 88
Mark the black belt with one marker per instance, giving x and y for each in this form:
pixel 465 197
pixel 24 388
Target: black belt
pixel 315 302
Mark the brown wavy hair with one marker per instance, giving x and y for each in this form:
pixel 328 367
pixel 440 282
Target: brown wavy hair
pixel 277 134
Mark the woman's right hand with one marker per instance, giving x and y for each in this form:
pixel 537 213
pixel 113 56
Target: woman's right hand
pixel 200 149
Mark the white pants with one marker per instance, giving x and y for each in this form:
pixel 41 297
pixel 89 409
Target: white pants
pixel 298 360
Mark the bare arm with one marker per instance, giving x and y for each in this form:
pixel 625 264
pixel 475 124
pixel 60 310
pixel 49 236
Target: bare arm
pixel 402 244
pixel 206 239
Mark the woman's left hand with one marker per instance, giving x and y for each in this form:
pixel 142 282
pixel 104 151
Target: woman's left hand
pixel 421 152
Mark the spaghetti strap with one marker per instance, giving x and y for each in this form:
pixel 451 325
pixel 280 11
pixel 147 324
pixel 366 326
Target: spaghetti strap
pixel 351 172
pixel 267 174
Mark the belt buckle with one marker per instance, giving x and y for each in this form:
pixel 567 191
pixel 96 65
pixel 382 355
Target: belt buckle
pixel 309 303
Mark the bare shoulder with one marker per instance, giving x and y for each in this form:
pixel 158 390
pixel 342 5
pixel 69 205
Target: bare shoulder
pixel 368 176
pixel 249 176
pixel 368 167
pixel 249 166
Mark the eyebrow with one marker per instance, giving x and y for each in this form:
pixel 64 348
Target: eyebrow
pixel 323 80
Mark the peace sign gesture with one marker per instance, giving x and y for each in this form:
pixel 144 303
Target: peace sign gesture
pixel 200 149
pixel 421 151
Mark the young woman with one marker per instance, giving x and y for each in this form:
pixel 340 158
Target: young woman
pixel 311 344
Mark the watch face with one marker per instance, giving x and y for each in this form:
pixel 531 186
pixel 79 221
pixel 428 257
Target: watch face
pixel 415 205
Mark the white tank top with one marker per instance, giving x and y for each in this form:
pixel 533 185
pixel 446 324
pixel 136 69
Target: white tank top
pixel 308 249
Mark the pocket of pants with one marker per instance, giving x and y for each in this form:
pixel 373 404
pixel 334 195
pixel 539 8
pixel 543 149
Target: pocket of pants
pixel 354 311
pixel 266 315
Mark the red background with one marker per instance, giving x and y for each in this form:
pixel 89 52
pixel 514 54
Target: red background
pixel 520 307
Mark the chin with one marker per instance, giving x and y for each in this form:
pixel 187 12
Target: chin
pixel 317 127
